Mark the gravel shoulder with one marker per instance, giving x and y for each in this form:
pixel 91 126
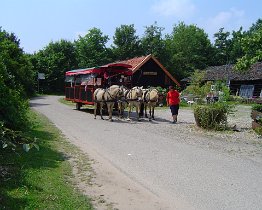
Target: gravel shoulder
pixel 159 165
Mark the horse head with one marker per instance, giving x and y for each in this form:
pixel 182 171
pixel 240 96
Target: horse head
pixel 137 93
pixel 115 91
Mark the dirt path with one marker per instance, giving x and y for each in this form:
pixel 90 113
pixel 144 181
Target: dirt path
pixel 158 165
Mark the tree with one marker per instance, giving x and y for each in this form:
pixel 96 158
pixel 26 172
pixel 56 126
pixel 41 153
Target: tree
pixel 189 48
pixel 126 43
pixel 17 65
pixel 54 60
pixel 222 45
pixel 91 49
pixel 16 78
pixel 252 47
pixel 235 48
pixel 152 41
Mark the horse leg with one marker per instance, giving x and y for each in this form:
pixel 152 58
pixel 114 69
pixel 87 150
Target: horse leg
pixel 153 112
pixel 150 112
pixel 119 109
pixel 138 111
pixel 95 104
pixel 129 110
pixel 110 110
pixel 101 110
pixel 146 110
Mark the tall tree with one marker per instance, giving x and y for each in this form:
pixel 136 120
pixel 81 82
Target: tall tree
pixel 252 47
pixel 54 60
pixel 126 43
pixel 222 46
pixel 152 41
pixel 18 66
pixel 16 79
pixel 91 49
pixel 189 48
pixel 235 48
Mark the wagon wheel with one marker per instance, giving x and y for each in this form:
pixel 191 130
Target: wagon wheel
pixel 78 106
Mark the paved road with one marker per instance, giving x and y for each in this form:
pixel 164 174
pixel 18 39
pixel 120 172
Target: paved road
pixel 195 177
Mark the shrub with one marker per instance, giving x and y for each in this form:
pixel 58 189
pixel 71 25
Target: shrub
pixel 257 107
pixel 10 139
pixel 213 116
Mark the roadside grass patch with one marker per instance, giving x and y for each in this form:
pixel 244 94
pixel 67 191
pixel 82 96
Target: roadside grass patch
pixel 39 179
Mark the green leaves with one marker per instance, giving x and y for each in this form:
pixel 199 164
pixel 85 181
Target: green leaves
pixel 91 49
pixel 190 49
pixel 126 44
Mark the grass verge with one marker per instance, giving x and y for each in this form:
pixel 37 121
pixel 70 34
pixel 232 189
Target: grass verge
pixel 39 179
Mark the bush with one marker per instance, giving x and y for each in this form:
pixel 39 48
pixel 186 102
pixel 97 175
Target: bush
pixel 257 107
pixel 258 130
pixel 213 116
pixel 10 139
pixel 13 108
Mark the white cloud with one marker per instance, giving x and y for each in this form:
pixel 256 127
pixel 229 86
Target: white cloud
pixel 230 20
pixel 178 8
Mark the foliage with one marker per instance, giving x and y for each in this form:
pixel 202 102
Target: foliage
pixel 40 179
pixel 251 46
pixel 196 87
pixel 153 43
pixel 257 107
pixel 235 48
pixel 222 44
pixel 11 139
pixel 213 116
pixel 13 107
pixel 15 67
pixel 54 60
pixel 91 49
pixel 189 48
pixel 126 43
pixel 258 130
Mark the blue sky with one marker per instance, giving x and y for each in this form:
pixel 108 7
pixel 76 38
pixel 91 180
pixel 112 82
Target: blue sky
pixel 38 22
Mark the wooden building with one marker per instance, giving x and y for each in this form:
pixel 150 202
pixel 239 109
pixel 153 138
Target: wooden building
pixel 148 71
pixel 247 84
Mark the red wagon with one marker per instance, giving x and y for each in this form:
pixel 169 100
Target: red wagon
pixel 80 84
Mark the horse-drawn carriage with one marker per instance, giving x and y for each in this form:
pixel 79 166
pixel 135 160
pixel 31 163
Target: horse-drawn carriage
pixel 110 86
pixel 81 84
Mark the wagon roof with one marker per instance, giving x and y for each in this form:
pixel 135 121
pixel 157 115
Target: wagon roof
pixel 116 67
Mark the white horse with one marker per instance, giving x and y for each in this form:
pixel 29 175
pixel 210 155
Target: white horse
pixel 134 98
pixel 150 100
pixel 107 96
pixel 122 102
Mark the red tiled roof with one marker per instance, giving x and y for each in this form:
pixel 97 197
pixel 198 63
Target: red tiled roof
pixel 137 62
pixel 134 62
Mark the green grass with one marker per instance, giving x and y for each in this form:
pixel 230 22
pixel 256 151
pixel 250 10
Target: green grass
pixel 39 179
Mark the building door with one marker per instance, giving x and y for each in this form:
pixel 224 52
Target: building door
pixel 246 91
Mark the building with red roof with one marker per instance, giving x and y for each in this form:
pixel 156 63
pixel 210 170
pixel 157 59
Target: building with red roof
pixel 148 71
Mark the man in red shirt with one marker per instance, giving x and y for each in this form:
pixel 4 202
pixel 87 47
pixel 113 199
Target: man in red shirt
pixel 173 100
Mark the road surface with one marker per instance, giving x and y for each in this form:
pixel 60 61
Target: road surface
pixel 156 157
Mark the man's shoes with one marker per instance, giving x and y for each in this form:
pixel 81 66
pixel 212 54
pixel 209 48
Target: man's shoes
pixel 174 122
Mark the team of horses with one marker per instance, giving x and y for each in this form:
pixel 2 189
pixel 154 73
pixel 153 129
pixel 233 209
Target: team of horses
pixel 125 98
